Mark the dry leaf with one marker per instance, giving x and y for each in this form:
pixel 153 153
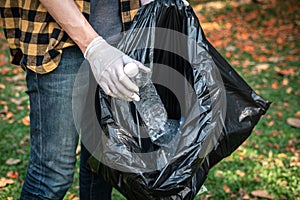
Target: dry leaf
pixel 17 101
pixel 278 162
pixel 285 82
pixel 4 182
pixel 26 120
pixel 219 173
pixel 276 59
pixel 289 90
pixel 274 85
pixel 2 86
pixel 262 67
pixel 297 114
pixel 246 196
pixel 294 161
pixel 4 70
pixel 8 115
pixel 12 174
pixel 279 114
pixel 290 71
pixel 226 189
pixel 240 173
pixel 294 122
pixel 3 102
pixel 271 123
pixel 12 161
pixel 282 155
pixel 261 194
pixel 72 197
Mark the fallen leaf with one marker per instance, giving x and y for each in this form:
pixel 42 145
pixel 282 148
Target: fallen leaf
pixel 261 194
pixel 12 161
pixel 271 123
pixel 279 114
pixel 242 193
pixel 248 48
pixel 12 174
pixel 246 196
pixel 72 197
pixel 8 115
pixel 282 183
pixel 285 82
pixel 226 189
pixel 263 58
pixel 289 90
pixel 228 55
pixel 294 161
pixel 26 120
pixel 4 182
pixel 290 71
pixel 17 101
pixel 2 86
pixel 297 114
pixel 276 59
pixel 219 173
pixel 17 70
pixel 282 155
pixel 240 173
pixel 278 162
pixel 294 122
pixel 4 70
pixel 275 85
pixel 3 102
pixel 230 48
pixel 262 67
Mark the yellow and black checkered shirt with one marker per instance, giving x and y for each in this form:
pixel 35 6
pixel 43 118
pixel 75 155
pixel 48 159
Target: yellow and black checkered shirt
pixel 36 40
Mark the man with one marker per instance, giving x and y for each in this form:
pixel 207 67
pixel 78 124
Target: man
pixel 48 39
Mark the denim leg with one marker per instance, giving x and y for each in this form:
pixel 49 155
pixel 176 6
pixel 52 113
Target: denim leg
pixel 92 186
pixel 53 136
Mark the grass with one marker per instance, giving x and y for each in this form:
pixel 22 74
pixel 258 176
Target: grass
pixel 261 41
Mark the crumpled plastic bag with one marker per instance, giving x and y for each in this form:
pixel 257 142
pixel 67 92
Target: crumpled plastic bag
pixel 215 108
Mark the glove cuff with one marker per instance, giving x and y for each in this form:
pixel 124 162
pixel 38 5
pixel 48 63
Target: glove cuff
pixel 93 43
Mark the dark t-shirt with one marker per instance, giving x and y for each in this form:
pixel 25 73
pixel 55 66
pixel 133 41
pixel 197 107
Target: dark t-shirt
pixel 106 19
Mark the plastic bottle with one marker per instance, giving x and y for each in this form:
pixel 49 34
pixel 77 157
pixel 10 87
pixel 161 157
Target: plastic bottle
pixel 150 106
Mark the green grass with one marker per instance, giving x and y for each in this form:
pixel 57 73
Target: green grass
pixel 268 160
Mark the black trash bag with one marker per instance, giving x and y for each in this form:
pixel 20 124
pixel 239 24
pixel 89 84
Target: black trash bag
pixel 213 106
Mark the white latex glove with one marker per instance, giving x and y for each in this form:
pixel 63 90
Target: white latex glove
pixel 107 63
pixel 144 2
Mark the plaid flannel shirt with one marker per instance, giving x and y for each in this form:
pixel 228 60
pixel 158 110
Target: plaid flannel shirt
pixel 36 40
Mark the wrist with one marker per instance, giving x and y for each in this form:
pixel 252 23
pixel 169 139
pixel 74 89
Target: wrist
pixel 85 37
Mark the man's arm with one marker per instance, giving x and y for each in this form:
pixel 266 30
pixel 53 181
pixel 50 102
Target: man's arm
pixel 69 17
pixel 106 61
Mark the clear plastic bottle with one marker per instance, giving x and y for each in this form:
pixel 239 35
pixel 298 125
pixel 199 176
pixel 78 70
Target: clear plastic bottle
pixel 150 106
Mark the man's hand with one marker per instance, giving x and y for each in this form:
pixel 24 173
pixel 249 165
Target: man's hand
pixel 107 64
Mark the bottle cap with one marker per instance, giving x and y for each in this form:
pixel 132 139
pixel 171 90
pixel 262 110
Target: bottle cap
pixel 131 69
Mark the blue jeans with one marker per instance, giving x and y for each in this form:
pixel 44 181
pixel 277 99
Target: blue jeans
pixel 53 136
